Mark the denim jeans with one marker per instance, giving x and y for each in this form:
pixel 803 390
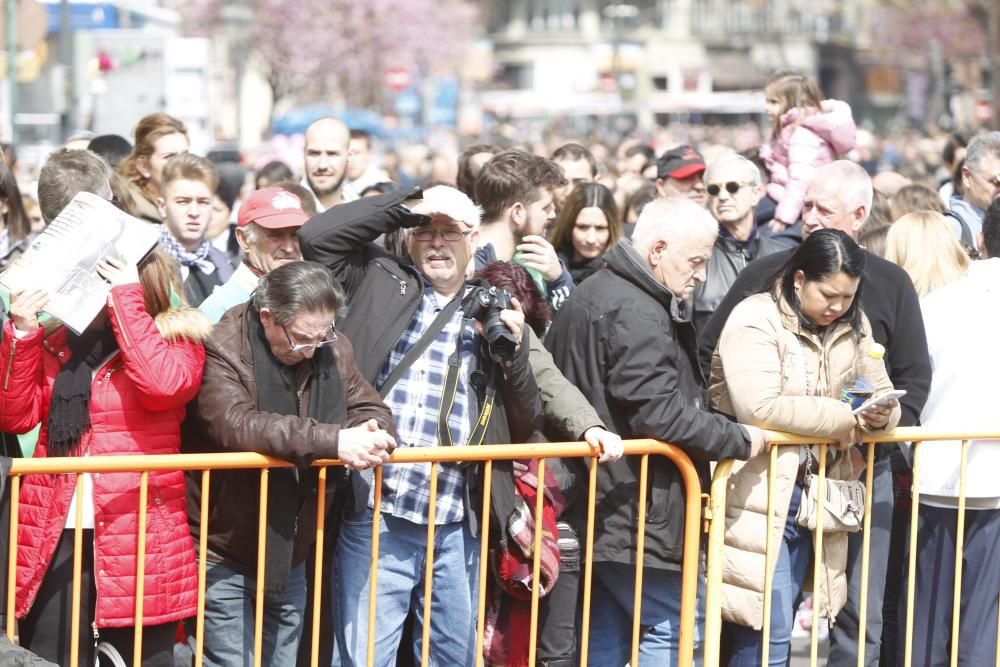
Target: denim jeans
pixel 230 600
pixel 611 616
pixel 789 574
pixel 400 586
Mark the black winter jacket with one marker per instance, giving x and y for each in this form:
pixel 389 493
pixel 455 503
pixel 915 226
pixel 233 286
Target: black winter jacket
pixel 892 306
pixel 621 339
pixel 383 293
pixel 729 257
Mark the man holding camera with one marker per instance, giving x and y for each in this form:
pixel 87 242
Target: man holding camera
pixel 420 340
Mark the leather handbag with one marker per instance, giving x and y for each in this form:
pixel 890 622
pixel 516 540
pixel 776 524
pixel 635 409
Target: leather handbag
pixel 843 506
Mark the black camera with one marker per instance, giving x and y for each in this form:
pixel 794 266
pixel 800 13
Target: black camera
pixel 485 304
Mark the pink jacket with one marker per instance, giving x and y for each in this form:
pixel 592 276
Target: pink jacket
pixel 136 406
pixel 809 139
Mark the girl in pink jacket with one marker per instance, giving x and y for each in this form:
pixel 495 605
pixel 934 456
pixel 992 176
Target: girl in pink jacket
pixel 808 133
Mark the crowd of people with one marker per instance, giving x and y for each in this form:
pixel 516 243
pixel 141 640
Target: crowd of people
pixel 697 294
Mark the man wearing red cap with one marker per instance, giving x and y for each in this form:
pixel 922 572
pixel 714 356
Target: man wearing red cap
pixel 266 231
pixel 679 173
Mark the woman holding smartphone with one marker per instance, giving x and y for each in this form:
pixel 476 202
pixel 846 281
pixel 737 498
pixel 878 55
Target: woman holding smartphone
pixel 782 360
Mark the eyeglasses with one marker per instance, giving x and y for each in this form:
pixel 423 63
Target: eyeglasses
pixel 428 234
pixel 732 187
pixel 302 347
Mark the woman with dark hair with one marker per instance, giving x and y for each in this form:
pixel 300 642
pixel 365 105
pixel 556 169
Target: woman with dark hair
pixel 16 227
pixel 119 388
pixel 587 226
pixel 782 361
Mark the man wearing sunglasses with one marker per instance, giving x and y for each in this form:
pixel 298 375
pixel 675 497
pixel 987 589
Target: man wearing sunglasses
pixel 733 189
pixel 412 340
pixel 980 184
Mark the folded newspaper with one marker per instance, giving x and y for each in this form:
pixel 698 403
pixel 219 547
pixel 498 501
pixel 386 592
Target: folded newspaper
pixel 64 257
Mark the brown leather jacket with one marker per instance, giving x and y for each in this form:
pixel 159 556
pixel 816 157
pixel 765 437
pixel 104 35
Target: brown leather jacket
pixel 224 418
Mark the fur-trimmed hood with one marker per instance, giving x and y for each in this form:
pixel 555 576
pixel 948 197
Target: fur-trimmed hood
pixel 184 323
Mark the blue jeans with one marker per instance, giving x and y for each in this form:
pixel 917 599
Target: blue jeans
pixel 789 574
pixel 611 605
pixel 401 562
pixel 229 618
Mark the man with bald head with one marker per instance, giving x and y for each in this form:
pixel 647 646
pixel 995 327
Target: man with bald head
pixel 327 143
pixel 840 197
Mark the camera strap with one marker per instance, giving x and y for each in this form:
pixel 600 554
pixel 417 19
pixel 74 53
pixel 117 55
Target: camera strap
pixel 448 401
pixel 422 344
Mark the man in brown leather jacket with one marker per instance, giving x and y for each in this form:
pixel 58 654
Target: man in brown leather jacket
pixel 279 380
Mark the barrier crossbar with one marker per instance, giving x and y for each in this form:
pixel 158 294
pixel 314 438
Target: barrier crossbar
pixel 206 464
pixel 919 437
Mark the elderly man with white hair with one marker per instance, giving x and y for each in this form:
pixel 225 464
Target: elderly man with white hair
pixel 624 339
pixel 733 186
pixel 840 197
pixel 416 338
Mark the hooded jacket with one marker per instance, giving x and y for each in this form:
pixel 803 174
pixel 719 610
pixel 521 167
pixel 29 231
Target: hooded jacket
pixel 225 418
pixel 809 138
pixel 622 339
pixel 136 406
pixel 771 372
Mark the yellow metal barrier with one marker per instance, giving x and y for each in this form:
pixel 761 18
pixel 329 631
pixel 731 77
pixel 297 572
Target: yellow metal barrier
pixel 717 527
pixel 206 463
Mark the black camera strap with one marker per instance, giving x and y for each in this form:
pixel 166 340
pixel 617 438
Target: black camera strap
pixel 448 401
pixel 422 344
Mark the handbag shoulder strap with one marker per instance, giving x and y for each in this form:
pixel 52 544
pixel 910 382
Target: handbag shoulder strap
pixel 418 348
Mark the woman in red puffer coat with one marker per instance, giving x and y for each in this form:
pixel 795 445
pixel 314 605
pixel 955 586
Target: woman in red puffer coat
pixel 119 388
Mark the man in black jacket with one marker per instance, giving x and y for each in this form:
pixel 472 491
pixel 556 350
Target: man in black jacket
pixel 394 303
pixel 622 338
pixel 839 197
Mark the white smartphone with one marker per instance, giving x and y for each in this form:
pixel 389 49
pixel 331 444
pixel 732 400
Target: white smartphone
pixel 880 400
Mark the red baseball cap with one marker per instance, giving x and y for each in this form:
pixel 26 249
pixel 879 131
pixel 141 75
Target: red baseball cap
pixel 681 162
pixel 272 208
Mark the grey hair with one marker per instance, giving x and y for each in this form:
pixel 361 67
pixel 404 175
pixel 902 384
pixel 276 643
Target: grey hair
pixel 984 144
pixel 298 287
pixel 67 173
pixel 750 172
pixel 251 232
pixel 854 183
pixel 672 219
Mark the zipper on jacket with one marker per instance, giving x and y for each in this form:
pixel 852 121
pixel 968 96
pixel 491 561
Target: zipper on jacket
pixel 402 288
pixel 121 324
pixel 10 364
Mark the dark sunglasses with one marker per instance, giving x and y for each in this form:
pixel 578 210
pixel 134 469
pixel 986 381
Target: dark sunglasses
pixel 732 187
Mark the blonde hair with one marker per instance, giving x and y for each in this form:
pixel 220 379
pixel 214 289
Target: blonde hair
pixel 907 245
pixel 792 89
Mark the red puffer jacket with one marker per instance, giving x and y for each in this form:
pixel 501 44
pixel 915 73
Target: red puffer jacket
pixel 136 407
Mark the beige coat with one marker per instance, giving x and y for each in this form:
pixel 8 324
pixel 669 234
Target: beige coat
pixel 770 372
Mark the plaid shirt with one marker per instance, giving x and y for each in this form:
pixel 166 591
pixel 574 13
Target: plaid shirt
pixel 415 400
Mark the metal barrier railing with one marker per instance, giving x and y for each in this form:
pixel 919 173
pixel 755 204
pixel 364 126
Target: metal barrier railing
pixel 487 454
pixel 717 525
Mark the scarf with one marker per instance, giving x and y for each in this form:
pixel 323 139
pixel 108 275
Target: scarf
pixel 69 407
pixel 289 488
pixel 197 259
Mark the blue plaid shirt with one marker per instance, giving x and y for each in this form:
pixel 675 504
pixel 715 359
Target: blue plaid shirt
pixel 415 400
